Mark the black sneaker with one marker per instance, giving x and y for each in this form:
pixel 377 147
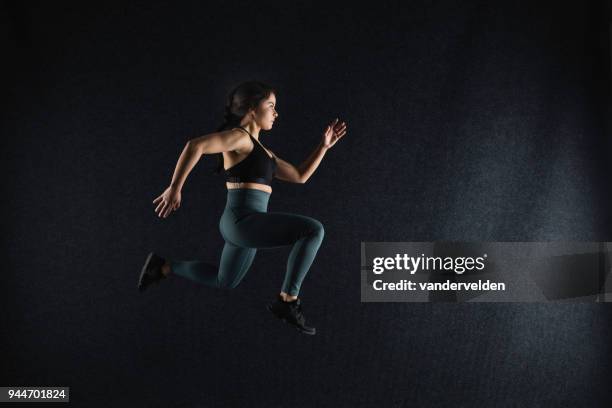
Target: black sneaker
pixel 291 312
pixel 151 271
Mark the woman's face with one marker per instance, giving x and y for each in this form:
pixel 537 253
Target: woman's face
pixel 266 113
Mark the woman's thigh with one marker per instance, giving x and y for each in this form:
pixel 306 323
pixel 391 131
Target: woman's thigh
pixel 270 229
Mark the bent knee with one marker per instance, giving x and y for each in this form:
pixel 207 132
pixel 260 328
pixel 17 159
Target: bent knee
pixel 317 229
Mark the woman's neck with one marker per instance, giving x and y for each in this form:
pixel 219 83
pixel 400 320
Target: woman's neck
pixel 252 128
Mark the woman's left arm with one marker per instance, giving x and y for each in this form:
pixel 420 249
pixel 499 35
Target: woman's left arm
pixel 288 172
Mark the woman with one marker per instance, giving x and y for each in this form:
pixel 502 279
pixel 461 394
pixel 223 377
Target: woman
pixel 246 225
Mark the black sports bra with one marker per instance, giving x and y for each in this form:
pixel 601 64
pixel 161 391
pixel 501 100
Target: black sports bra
pixel 257 167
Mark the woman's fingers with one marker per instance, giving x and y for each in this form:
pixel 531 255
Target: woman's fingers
pixel 341 126
pixel 169 210
pixel 159 206
pixel 339 136
pixel 164 205
pixel 336 125
pixel 166 210
pixel 340 132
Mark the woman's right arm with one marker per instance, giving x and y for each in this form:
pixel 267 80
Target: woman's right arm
pixel 217 142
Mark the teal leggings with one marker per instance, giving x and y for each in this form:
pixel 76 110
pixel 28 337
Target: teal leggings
pixel 246 226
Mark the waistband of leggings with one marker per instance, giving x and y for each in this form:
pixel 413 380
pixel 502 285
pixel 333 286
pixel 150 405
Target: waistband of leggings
pixel 248 197
pixel 237 191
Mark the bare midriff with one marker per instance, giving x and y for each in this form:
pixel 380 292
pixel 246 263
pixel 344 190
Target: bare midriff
pixel 256 186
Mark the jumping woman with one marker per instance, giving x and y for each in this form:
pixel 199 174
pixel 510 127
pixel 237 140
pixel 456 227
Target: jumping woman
pixel 246 225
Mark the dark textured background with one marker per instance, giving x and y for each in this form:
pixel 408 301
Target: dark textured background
pixel 468 120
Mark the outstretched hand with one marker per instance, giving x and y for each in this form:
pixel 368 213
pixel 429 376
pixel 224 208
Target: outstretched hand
pixel 333 132
pixel 168 201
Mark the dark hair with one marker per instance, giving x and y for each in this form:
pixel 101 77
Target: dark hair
pixel 245 96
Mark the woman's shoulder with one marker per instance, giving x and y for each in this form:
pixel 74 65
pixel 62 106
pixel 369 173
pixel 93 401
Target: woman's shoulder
pixel 240 138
